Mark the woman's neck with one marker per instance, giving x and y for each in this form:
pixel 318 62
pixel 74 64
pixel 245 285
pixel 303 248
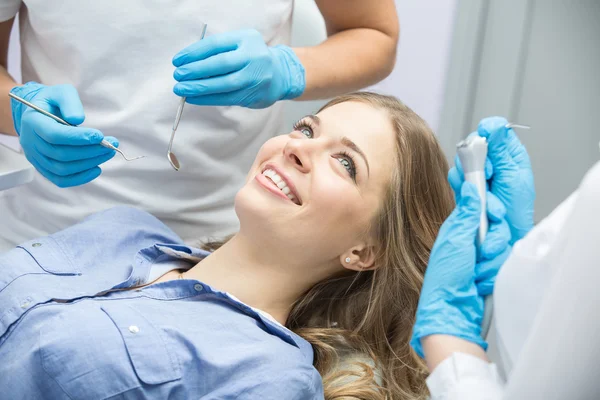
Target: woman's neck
pixel 255 276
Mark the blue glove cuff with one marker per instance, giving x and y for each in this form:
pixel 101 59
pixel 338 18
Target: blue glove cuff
pixel 27 92
pixel 293 70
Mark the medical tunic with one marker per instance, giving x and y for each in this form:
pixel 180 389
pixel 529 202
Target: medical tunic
pixel 62 336
pixel 118 56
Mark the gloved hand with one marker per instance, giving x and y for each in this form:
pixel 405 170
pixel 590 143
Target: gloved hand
pixel 451 301
pixel 237 69
pixel 511 176
pixel 65 155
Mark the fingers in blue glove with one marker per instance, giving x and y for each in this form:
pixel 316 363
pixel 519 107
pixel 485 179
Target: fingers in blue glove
pixel 55 133
pixel 466 214
pixel 211 45
pixel 67 101
pixel 67 181
pixel 486 272
pixel 65 153
pixel 503 143
pixel 65 169
pixel 219 64
pixel 216 85
pixel 498 236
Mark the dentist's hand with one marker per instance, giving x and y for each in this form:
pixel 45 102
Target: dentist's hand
pixel 456 280
pixel 510 178
pixel 65 155
pixel 237 69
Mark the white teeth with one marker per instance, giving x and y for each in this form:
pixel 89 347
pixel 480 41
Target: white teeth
pixel 279 182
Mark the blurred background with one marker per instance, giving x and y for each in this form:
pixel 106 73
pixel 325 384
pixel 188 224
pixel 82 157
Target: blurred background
pixel 536 62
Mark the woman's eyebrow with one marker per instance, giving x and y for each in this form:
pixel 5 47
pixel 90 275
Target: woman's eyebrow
pixel 315 119
pixel 349 143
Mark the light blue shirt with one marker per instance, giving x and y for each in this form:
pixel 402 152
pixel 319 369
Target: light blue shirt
pixel 62 338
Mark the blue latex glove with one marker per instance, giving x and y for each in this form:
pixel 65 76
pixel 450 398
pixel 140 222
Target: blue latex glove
pixel 237 69
pixel 65 155
pixel 450 301
pixel 511 179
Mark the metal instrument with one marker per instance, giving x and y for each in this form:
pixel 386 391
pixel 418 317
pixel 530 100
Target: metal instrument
pixel 170 155
pixel 104 143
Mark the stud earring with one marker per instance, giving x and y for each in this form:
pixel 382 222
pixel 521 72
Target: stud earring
pixel 348 259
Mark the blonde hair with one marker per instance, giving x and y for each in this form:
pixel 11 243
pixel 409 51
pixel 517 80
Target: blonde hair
pixel 370 314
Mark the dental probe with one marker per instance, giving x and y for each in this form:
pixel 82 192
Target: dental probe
pixel 104 143
pixel 173 160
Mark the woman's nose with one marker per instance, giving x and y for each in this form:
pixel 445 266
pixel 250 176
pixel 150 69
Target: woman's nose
pixel 298 153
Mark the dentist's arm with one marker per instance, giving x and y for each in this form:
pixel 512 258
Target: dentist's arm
pixel 239 69
pixel 360 49
pixel 447 331
pixel 6 81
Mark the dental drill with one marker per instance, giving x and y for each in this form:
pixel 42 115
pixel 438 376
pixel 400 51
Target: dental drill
pixel 472 153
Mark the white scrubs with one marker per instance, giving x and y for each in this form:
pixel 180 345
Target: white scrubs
pixel 118 56
pixel 546 313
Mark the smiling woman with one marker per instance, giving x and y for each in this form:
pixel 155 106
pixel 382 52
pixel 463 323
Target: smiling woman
pixel 337 219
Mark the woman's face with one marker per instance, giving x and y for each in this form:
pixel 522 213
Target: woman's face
pixel 312 194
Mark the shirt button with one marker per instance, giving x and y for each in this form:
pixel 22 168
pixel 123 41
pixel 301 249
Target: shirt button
pixel 134 329
pixel 24 304
pixel 36 244
pixel 198 287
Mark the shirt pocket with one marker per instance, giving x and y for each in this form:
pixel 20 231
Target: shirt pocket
pixel 94 353
pixel 35 258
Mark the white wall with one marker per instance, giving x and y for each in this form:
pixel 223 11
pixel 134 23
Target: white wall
pixel 419 78
pixel 420 73
pixel 14 53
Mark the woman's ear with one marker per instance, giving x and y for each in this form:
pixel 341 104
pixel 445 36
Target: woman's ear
pixel 359 258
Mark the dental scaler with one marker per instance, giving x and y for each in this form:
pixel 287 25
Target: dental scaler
pixel 472 153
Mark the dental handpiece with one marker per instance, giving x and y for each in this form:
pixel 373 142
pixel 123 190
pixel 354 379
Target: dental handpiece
pixel 472 153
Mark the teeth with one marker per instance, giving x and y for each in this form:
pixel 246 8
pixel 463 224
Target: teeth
pixel 280 183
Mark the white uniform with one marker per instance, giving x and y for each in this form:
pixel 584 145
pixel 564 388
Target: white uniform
pixel 118 56
pixel 546 313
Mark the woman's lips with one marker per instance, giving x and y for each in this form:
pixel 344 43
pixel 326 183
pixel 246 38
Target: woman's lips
pixel 271 187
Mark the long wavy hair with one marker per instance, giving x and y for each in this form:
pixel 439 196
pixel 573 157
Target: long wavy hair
pixel 359 323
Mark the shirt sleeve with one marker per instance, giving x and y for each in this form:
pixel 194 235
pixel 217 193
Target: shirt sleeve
pixel 8 9
pixel 465 377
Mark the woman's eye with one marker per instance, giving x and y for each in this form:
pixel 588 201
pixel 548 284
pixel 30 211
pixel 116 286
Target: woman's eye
pixel 348 163
pixel 304 128
pixel 307 132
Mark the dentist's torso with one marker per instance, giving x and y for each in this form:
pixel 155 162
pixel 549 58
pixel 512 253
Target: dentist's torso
pixel 118 56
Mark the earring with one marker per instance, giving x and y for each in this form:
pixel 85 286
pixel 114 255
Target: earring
pixel 348 260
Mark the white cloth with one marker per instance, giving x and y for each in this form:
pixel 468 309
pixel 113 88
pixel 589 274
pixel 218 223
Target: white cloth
pixel 545 311
pixel 118 56
pixel 464 377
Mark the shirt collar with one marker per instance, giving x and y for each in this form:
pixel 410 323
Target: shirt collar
pixel 193 254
